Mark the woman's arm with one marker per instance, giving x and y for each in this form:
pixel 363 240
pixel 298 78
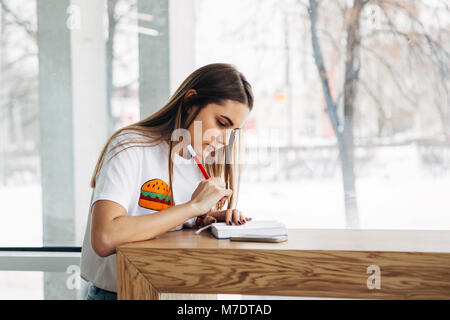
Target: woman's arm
pixel 111 227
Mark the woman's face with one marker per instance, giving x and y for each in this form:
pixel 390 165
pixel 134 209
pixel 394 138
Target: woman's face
pixel 217 122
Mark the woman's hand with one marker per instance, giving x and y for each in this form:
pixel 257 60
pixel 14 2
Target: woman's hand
pixel 228 216
pixel 208 193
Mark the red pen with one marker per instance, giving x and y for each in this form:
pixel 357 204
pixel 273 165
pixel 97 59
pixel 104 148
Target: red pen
pixel 205 174
pixel 197 160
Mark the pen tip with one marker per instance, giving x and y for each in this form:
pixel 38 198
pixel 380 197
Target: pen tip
pixel 191 150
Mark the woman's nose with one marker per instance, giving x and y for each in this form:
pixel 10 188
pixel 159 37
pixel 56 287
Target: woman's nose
pixel 225 137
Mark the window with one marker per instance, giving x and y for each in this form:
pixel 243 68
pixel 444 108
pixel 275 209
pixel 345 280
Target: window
pixel 329 144
pixel 389 165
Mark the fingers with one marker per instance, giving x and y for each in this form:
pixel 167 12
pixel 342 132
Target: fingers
pixel 230 217
pixel 226 193
pixel 243 219
pixel 219 185
pixel 235 216
pixel 224 216
pixel 209 192
pixel 217 181
pixel 208 220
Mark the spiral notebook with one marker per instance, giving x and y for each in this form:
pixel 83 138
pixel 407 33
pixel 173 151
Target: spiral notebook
pixel 258 228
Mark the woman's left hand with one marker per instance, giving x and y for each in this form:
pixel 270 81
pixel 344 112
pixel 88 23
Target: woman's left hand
pixel 229 216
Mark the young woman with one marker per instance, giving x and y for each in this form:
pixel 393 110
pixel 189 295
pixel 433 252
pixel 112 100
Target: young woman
pixel 146 184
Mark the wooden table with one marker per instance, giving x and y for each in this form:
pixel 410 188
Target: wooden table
pixel 342 263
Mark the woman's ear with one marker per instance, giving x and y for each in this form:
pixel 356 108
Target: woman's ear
pixel 189 93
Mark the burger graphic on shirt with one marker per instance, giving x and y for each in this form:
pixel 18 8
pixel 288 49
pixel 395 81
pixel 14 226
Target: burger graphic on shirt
pixel 155 195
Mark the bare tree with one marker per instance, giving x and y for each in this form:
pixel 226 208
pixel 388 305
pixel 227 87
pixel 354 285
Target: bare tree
pixel 343 131
pixel 425 47
pixel 19 88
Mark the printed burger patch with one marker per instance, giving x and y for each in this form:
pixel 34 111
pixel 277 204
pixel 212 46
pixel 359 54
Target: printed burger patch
pixel 155 195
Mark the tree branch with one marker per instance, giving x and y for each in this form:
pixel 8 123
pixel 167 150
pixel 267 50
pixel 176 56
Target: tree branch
pixel 331 108
pixel 28 29
pixel 391 71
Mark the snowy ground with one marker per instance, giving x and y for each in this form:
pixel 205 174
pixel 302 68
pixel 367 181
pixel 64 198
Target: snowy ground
pixel 383 203
pixel 21 214
pixel 394 191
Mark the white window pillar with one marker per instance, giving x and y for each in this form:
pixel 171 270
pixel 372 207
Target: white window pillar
pixel 90 118
pixel 166 50
pixel 182 41
pixel 73 119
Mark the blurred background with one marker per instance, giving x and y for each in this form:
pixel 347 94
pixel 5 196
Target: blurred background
pixel 350 128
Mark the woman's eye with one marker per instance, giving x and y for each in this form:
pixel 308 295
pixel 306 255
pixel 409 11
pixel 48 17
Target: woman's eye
pixel 221 124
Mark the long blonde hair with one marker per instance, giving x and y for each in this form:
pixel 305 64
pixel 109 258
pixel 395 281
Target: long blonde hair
pixel 214 83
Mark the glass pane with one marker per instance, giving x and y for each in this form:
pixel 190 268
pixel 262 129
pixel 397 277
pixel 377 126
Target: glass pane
pixel 20 188
pixel 29 285
pixel 19 285
pixel 363 142
pixel 33 213
pixel 387 163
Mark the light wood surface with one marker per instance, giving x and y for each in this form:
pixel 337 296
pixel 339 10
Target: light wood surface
pixel 414 264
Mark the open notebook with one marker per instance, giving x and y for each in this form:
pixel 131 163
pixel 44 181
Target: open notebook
pixel 261 228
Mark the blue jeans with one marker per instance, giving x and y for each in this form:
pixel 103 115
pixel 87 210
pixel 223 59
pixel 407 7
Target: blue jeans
pixel 95 293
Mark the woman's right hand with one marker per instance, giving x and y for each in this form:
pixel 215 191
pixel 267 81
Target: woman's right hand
pixel 208 193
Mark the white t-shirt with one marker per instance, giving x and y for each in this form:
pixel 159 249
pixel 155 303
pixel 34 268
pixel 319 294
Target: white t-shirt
pixel 122 180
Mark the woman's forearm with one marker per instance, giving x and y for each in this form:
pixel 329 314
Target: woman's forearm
pixel 126 229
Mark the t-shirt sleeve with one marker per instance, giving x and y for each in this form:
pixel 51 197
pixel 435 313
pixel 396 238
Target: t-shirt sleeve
pixel 118 175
